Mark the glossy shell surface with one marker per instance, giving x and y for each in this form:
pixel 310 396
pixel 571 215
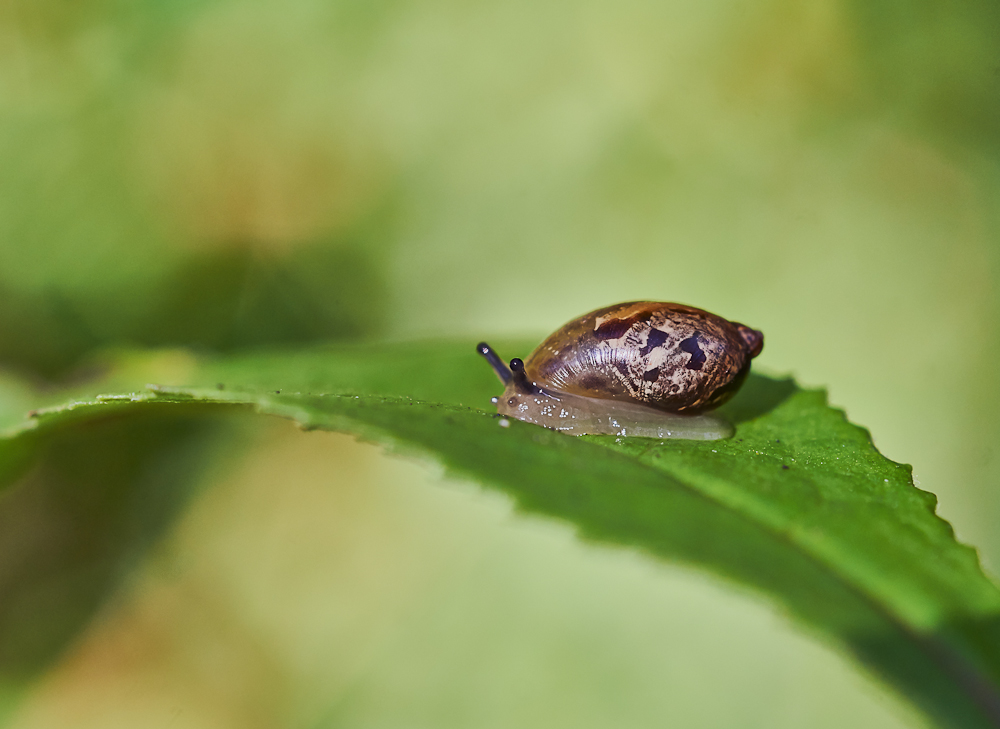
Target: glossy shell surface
pixel 667 356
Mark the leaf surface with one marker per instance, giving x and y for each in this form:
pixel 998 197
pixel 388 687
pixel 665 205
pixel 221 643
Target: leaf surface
pixel 799 505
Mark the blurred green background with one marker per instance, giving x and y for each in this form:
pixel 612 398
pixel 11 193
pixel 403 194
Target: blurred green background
pixel 224 175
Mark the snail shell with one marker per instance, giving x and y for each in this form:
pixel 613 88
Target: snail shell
pixel 638 368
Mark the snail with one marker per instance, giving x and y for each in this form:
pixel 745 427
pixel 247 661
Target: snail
pixel 642 368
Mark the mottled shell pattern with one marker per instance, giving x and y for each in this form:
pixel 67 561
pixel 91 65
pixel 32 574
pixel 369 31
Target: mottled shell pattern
pixel 672 357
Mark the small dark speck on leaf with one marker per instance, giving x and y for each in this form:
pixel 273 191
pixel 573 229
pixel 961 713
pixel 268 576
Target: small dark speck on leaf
pixel 784 468
pixel 220 386
pixel 32 413
pixel 277 392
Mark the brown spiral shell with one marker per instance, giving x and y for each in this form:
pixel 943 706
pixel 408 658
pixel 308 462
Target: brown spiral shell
pixel 669 356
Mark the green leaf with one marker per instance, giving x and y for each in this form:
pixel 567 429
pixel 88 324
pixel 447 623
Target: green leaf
pixel 97 498
pixel 799 505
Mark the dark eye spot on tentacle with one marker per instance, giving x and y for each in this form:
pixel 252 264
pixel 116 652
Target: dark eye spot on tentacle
pixel 655 339
pixel 617 328
pixel 651 375
pixel 690 345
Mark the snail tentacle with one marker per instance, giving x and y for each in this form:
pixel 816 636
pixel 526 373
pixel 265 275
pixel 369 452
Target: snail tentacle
pixel 495 362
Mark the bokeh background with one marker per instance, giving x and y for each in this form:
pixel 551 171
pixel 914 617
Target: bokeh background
pixel 219 175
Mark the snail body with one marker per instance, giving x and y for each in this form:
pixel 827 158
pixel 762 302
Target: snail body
pixel 639 368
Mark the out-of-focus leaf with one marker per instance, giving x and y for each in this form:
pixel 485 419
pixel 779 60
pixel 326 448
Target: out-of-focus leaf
pixel 98 497
pixel 799 504
pixel 86 505
pixel 234 297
